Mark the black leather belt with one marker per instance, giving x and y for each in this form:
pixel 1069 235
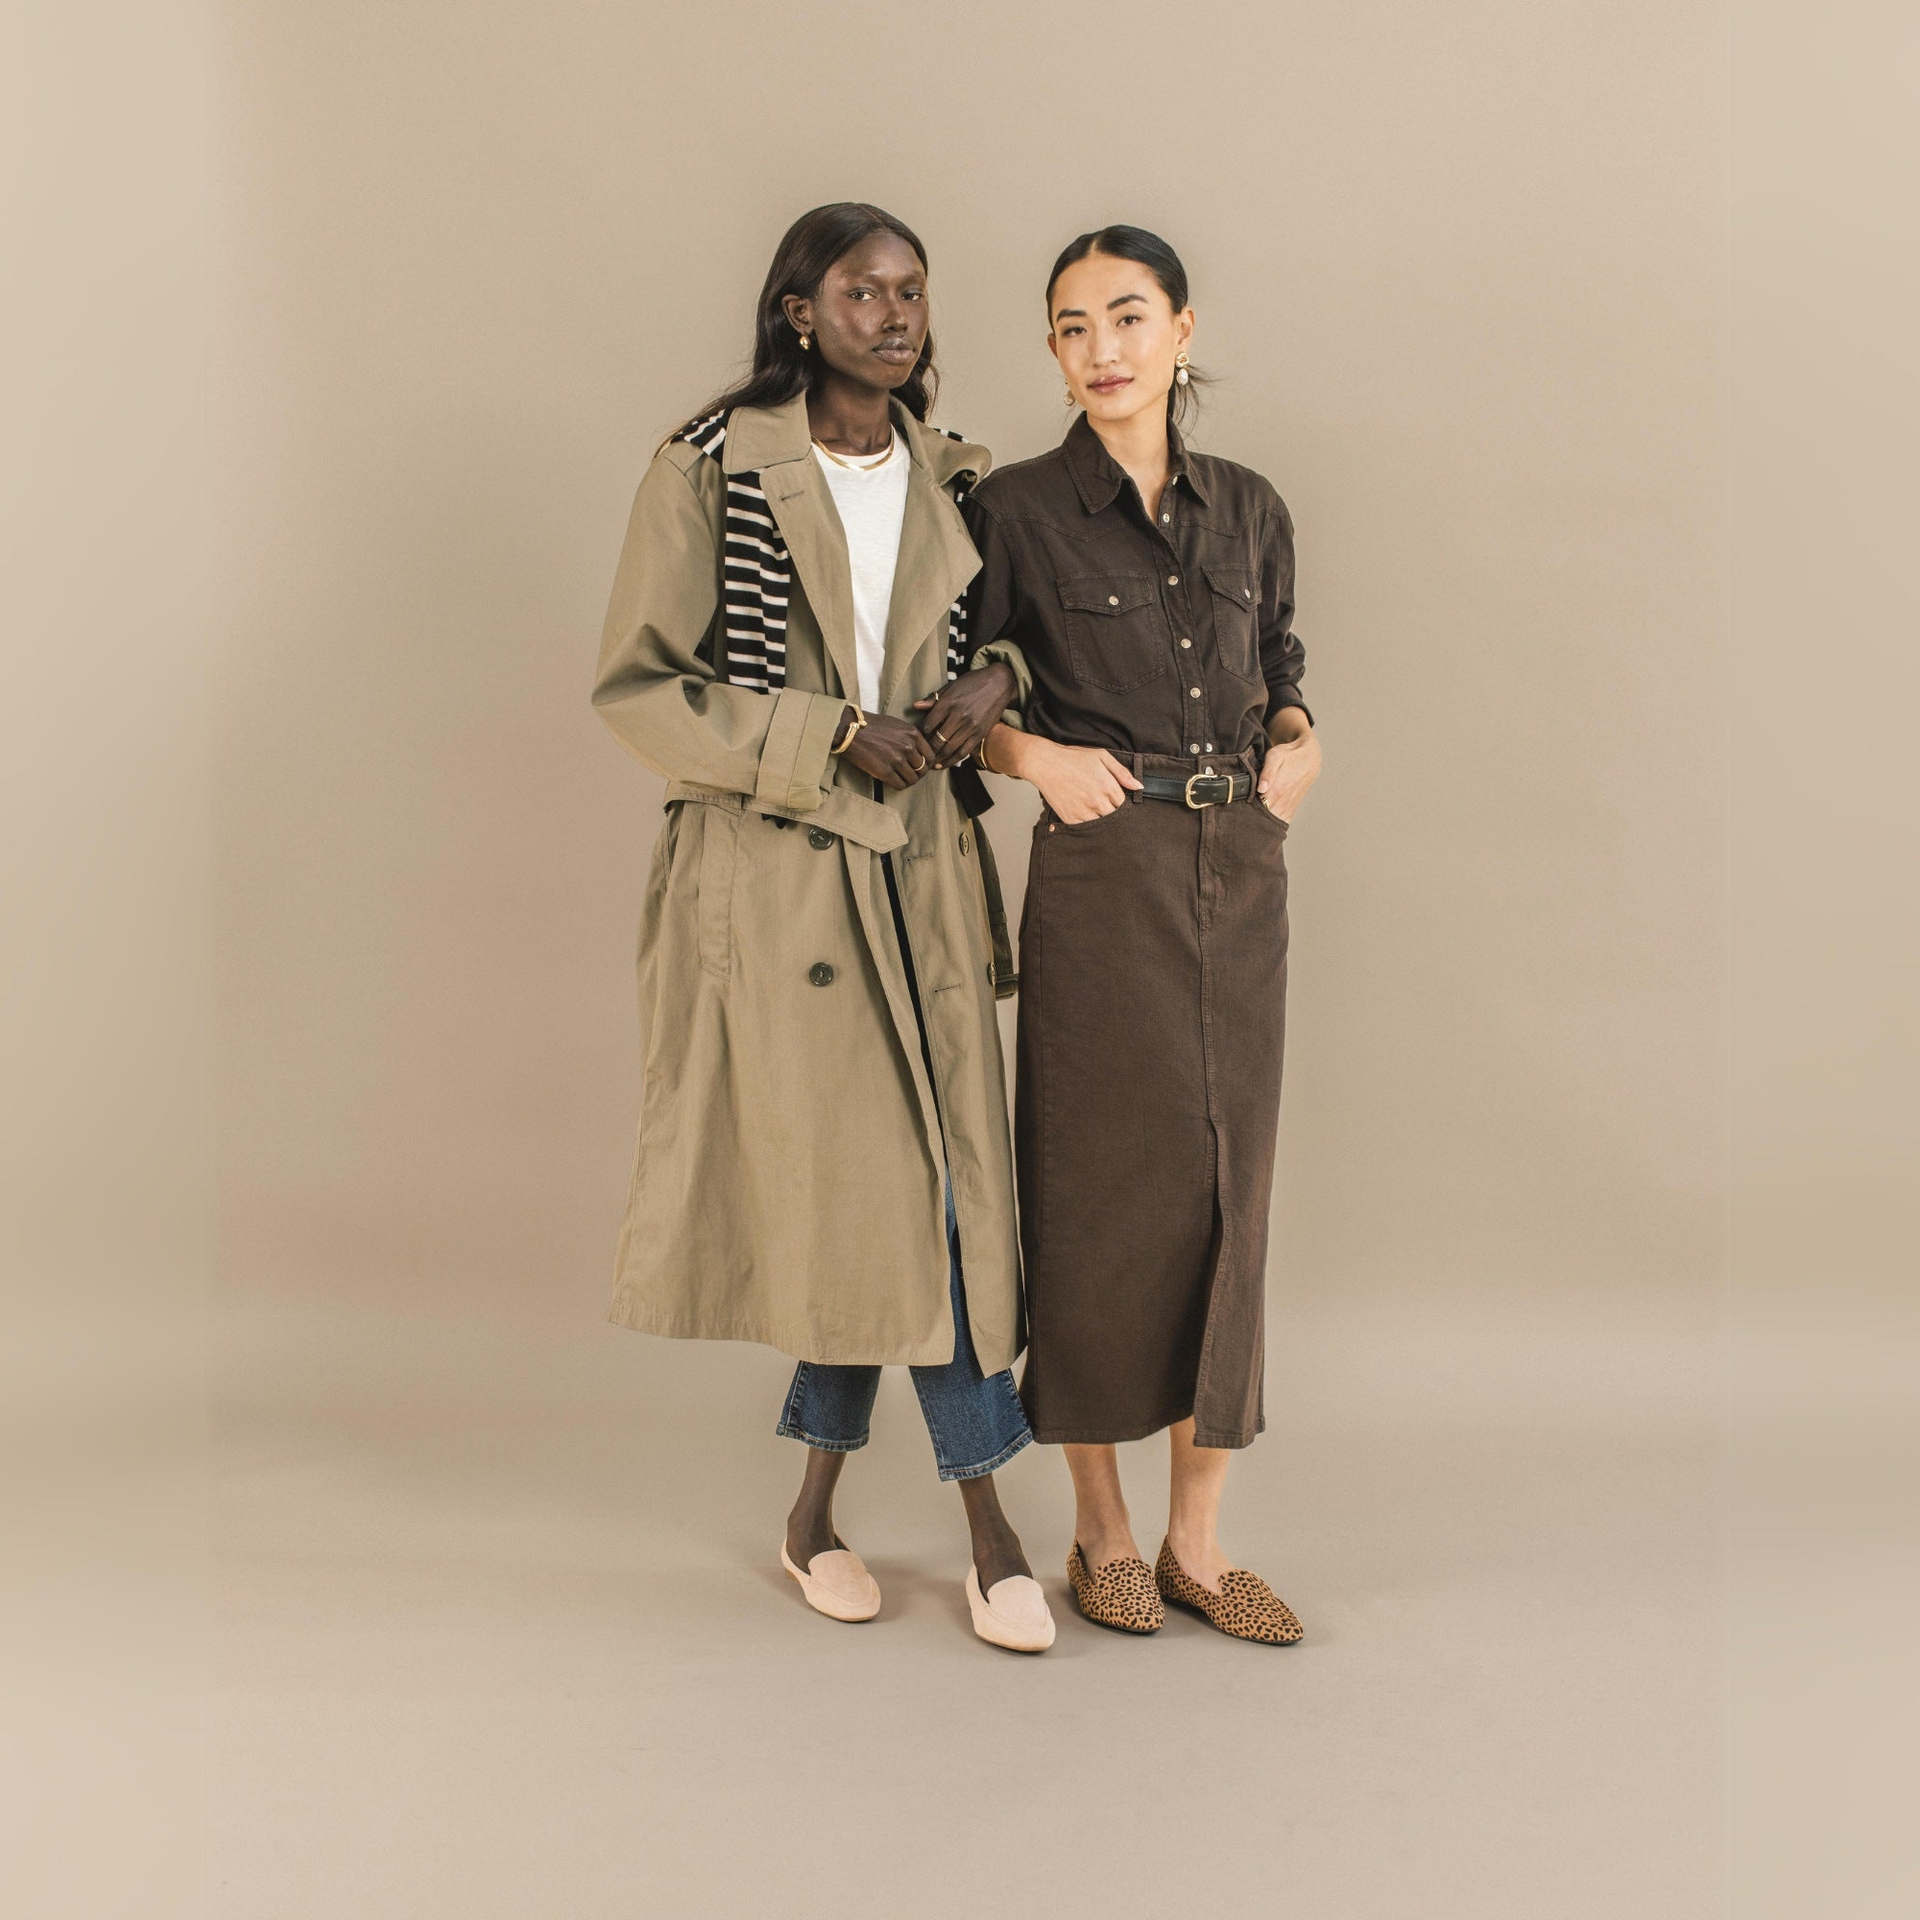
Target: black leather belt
pixel 1197 790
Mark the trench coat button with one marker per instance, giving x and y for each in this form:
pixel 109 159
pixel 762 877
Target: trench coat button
pixel 820 974
pixel 820 838
pixel 966 841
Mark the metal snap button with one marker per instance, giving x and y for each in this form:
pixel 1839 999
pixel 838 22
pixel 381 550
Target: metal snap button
pixel 820 974
pixel 1173 579
pixel 819 838
pixel 1186 643
pixel 1248 591
pixel 1193 693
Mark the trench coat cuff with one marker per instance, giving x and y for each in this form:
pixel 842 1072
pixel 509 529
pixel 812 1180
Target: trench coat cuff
pixel 1009 655
pixel 793 763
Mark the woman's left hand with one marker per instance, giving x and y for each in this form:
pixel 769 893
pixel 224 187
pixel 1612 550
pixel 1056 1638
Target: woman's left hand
pixel 965 711
pixel 1292 765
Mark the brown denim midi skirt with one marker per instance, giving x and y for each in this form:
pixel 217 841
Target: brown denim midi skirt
pixel 1153 974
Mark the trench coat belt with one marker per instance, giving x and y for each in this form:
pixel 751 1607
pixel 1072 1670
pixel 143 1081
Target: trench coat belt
pixel 865 822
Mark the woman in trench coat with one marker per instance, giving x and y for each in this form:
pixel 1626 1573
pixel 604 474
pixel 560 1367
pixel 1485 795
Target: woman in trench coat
pixel 1146 592
pixel 823 1129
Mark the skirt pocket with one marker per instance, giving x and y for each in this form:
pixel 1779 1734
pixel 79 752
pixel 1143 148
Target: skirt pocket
pixel 1267 814
pixel 1050 822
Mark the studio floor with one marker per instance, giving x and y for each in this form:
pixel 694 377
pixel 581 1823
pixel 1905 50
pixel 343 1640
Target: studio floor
pixel 505 1637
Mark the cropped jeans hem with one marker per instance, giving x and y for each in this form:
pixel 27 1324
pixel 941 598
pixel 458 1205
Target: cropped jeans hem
pixel 976 1423
pixel 998 1461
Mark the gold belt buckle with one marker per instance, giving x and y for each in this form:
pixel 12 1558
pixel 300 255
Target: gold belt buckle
pixel 1197 805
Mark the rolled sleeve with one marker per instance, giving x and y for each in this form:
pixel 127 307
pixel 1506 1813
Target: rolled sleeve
pixel 795 762
pixel 1283 657
pixel 1008 654
pixel 657 688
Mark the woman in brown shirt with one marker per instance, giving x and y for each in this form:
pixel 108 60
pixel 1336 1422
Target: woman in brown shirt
pixel 1143 595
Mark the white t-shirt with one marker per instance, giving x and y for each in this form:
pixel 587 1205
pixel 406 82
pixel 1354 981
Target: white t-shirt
pixel 872 501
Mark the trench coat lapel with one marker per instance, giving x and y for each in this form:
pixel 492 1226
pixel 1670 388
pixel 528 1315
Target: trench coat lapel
pixel 809 523
pixel 775 443
pixel 936 562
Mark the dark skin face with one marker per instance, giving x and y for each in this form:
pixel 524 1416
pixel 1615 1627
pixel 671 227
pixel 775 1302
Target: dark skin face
pixel 867 327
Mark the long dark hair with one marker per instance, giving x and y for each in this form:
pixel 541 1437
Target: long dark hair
pixel 781 368
pixel 1160 260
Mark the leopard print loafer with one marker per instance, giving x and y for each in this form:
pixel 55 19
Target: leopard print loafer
pixel 1245 1607
pixel 1120 1595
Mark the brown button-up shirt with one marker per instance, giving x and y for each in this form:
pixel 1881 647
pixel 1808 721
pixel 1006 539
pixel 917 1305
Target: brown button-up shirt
pixel 1170 635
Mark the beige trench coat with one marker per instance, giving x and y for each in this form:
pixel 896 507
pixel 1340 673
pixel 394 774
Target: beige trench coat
pixel 788 1181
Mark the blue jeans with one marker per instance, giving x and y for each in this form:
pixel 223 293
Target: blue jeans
pixel 975 1423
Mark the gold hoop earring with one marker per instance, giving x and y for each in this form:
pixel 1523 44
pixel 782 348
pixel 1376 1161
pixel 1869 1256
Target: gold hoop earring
pixel 1180 374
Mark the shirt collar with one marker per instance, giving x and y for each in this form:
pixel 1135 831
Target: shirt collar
pixel 1100 477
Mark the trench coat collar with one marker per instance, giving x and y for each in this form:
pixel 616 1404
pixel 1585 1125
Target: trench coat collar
pixel 1100 477
pixel 936 557
pixel 762 437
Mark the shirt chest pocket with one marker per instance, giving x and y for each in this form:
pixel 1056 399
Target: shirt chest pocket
pixel 1236 613
pixel 1116 633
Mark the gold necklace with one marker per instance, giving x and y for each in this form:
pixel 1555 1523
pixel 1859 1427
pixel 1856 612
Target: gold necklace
pixel 860 466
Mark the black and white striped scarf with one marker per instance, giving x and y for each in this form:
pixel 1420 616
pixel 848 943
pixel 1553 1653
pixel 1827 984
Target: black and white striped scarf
pixel 756 575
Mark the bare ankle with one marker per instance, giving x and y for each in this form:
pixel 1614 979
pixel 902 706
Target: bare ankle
pixel 1106 1540
pixel 1199 1553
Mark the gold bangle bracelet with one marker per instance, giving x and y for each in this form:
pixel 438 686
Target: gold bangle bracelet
pixel 859 721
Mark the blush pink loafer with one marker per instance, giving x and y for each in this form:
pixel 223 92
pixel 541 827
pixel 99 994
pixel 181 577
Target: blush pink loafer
pixel 836 1583
pixel 1013 1615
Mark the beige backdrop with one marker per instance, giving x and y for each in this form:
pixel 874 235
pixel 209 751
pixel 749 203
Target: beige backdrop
pixel 504 1635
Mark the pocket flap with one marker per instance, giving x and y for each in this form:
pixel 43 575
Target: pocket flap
pixel 1237 583
pixel 1106 592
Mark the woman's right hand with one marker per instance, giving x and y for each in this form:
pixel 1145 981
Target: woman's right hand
pixel 1077 783
pixel 894 752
